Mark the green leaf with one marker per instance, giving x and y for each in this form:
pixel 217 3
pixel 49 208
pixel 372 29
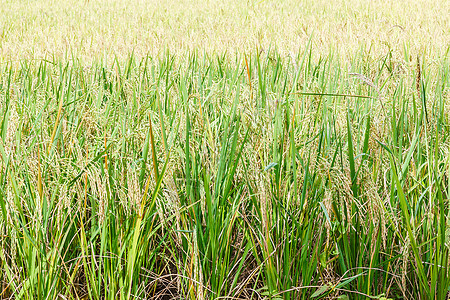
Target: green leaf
pixel 320 291
pixel 270 166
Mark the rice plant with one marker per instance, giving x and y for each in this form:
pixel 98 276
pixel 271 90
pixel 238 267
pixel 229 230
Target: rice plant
pixel 200 176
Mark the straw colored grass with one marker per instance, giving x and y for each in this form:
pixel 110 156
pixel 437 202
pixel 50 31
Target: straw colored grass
pixel 95 28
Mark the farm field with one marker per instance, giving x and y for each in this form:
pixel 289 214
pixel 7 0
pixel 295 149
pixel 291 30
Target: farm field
pixel 224 150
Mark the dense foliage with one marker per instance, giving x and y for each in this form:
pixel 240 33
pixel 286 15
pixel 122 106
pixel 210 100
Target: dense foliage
pixel 225 177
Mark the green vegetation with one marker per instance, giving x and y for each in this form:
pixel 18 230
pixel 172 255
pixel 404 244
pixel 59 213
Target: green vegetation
pixel 226 177
pixel 252 149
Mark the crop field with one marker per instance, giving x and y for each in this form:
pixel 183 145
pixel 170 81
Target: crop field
pixel 224 149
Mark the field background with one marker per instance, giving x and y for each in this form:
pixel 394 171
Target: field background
pixel 224 150
pixel 86 29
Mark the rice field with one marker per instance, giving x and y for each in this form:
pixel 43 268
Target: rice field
pixel 255 162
